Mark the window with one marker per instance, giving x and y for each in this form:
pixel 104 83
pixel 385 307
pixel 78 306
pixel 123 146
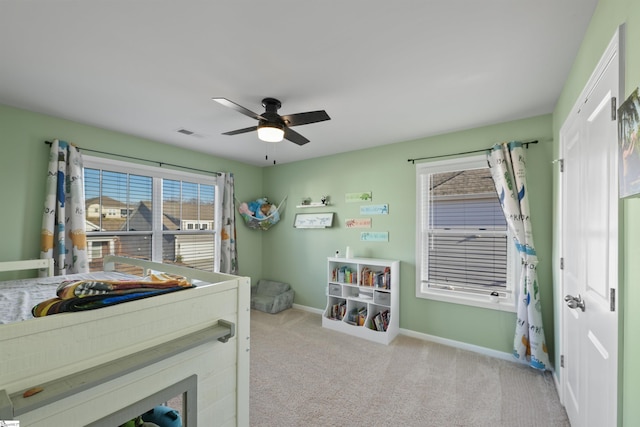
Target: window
pixel 151 213
pixel 95 250
pixel 465 254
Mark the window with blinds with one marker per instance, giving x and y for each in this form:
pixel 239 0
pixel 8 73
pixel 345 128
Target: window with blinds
pixel 188 215
pixel 464 248
pixel 150 213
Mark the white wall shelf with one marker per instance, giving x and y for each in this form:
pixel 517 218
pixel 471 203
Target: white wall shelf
pixel 314 205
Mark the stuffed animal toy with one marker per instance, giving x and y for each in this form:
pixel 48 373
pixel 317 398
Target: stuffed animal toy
pixel 138 422
pixel 254 207
pixel 244 209
pixel 264 211
pixel 259 214
pixel 163 416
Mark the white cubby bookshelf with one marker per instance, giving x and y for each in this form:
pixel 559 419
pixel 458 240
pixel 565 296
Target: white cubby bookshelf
pixel 363 298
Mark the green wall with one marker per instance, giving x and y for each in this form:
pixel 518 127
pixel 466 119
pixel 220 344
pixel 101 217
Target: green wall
pixel 608 16
pixel 23 170
pixel 298 256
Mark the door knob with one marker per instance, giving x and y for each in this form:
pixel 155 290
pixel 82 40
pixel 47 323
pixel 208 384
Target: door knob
pixel 575 302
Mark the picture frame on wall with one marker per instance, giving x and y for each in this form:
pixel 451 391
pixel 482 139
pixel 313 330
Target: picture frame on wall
pixel 313 220
pixel 628 146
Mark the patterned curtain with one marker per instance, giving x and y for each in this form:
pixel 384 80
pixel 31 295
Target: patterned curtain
pixel 228 252
pixel 507 165
pixel 63 236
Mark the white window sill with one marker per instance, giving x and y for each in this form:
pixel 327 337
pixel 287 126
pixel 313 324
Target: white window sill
pixel 482 301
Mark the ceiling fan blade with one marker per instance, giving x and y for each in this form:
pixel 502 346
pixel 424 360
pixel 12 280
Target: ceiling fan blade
pixel 238 108
pixel 294 136
pixel 238 131
pixel 306 118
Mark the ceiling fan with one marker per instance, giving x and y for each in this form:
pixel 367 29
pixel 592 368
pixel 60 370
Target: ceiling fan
pixel 272 127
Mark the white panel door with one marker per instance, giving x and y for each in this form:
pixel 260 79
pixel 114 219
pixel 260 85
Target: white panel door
pixel 574 270
pixel 590 251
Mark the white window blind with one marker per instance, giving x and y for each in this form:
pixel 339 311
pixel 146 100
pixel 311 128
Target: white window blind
pixel 188 206
pixel 463 244
pixel 467 243
pixel 150 213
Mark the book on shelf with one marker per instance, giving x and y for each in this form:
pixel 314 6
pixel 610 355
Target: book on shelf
pixel 357 316
pixel 364 276
pixel 376 322
pixel 381 321
pixel 338 310
pixel 362 316
pixel 344 274
pixel 378 279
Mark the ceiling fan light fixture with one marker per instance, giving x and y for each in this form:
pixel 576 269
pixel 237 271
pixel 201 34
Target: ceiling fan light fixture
pixel 272 127
pixel 270 132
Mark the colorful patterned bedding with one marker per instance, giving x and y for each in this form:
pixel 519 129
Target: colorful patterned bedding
pixel 19 297
pixel 81 295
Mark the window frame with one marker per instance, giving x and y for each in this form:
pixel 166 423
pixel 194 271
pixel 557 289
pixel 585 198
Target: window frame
pixel 158 174
pixel 459 296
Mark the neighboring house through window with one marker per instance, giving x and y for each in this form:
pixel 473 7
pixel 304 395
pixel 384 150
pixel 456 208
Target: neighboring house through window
pixel 464 251
pixel 152 213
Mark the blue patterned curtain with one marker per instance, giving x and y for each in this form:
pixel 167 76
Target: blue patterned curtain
pixel 228 252
pixel 507 165
pixel 63 235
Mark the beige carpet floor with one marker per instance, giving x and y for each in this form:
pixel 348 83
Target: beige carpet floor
pixel 305 375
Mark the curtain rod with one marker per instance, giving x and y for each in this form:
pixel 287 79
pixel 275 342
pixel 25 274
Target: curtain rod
pixel 144 160
pixel 526 144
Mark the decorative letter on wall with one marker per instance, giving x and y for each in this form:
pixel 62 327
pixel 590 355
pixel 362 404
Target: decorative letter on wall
pixel 374 236
pixel 358 223
pixel 374 209
pixel 364 196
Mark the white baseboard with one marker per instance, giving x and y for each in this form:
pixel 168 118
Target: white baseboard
pixel 433 338
pixel 445 341
pixel 458 344
pixel 309 309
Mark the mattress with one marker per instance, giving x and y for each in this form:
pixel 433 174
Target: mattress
pixel 17 297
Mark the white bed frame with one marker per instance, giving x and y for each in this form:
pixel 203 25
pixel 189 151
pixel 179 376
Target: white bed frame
pixel 97 363
pixel 29 264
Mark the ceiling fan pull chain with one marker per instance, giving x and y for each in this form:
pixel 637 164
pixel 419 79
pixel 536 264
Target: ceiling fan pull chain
pixel 273 152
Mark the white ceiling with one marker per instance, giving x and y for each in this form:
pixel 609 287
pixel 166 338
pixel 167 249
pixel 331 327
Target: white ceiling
pixel 385 71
